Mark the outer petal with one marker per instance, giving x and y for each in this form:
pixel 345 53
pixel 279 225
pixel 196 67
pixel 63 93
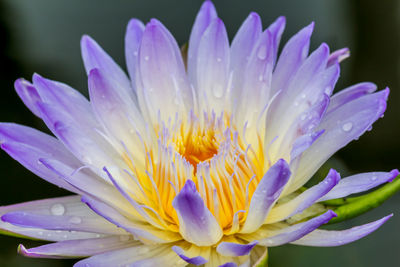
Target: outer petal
pixel 235 249
pixel 45 206
pixel 294 232
pixel 122 121
pixel 195 260
pixel 90 148
pixel 349 94
pixel 205 16
pixel 304 200
pixel 338 56
pixel 27 146
pixel 348 122
pixel 213 67
pixel 28 95
pixel 265 196
pixel 359 183
pixel 67 99
pixel 292 56
pixel 133 37
pixel 95 57
pixel 144 232
pixel 325 238
pixel 79 248
pixel 67 213
pixel 241 48
pixel 138 256
pixel 159 56
pixel 196 223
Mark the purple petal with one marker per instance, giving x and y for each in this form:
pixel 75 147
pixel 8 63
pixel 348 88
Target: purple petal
pixel 276 30
pixel 133 37
pixel 213 66
pixel 196 223
pixel 67 99
pixel 241 48
pixel 326 238
pixel 257 80
pixel 88 146
pixel 78 248
pixel 349 94
pixel 87 183
pixel 95 57
pixel 122 121
pixel 338 56
pixel 138 256
pixel 297 231
pixel 235 249
pixel 28 94
pixel 27 145
pixel 266 194
pixel 292 56
pixel 141 231
pixel 342 126
pixel 67 214
pixel 359 183
pixel 304 200
pixel 302 143
pixel 229 264
pixel 55 205
pixel 159 56
pixel 198 260
pixel 205 16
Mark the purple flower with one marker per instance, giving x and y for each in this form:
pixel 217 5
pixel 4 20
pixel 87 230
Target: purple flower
pixel 191 161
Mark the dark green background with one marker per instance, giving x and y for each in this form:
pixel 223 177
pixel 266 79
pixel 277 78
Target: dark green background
pixel 43 36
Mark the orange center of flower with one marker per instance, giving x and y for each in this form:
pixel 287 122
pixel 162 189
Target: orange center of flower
pixel 211 153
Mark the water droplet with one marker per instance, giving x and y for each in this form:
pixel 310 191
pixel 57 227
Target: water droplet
pixel 40 233
pixel 219 59
pixel 303 96
pixel 146 58
pixel 135 53
pixel 373 178
pixel 262 52
pixel 347 126
pixel 75 220
pixel 65 236
pixel 57 209
pixel 260 78
pixel 303 117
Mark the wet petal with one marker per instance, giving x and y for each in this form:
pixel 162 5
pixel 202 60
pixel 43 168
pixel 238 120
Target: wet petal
pixel 79 248
pixel 265 196
pixel 326 238
pixel 359 183
pixel 196 223
pixel 304 200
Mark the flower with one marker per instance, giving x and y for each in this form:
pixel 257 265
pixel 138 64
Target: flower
pixel 197 161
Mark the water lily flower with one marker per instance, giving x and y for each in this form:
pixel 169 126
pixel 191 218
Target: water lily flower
pixel 196 159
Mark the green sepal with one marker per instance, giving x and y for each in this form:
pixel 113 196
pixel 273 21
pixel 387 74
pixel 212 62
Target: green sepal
pixel 348 208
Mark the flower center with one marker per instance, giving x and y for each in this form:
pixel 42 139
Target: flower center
pixel 198 146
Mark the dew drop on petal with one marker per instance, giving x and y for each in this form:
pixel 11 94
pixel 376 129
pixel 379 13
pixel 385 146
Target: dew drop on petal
pixel 57 209
pixel 373 178
pixel 75 220
pixel 262 52
pixel 40 233
pixel 347 126
pixel 219 59
pixel 146 58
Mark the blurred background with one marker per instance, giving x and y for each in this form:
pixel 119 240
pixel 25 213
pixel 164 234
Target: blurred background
pixel 43 36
